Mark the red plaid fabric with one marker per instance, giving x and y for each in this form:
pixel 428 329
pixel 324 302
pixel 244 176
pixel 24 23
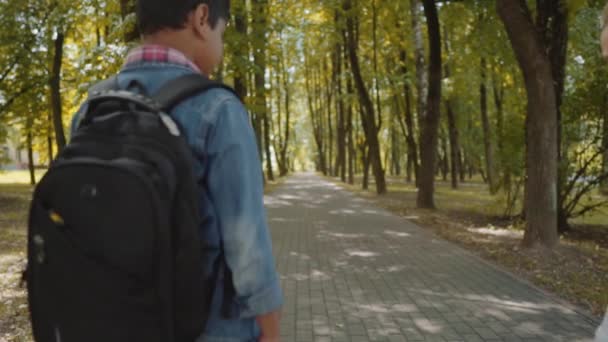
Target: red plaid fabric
pixel 159 53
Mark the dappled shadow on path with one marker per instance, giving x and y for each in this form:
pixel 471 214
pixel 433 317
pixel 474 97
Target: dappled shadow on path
pixel 350 269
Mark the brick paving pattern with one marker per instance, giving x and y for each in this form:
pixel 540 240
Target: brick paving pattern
pixel 351 271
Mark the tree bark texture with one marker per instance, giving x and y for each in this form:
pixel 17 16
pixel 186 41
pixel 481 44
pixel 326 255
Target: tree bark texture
pixel 240 23
pixel 452 126
pixel 55 85
pixel 487 131
pixel 428 141
pixel 541 183
pixel 367 108
pixel 419 55
pixel 260 7
pixel 30 156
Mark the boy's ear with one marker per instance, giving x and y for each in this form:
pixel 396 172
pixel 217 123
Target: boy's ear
pixel 200 20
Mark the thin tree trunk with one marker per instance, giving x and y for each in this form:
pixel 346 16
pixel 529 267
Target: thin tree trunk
pixel 49 138
pixel 314 117
pixel 445 163
pixel 452 127
pixel 454 145
pixel 462 163
pixel 30 152
pixel 541 183
pixel 487 134
pixel 287 118
pixel 340 166
pixel 367 112
pixel 498 91
pixel 240 23
pixel 409 120
pixel 604 185
pixel 375 60
pixel 259 32
pixel 419 55
pixel 277 141
pixel 395 150
pixel 365 155
pixel 55 85
pixel 328 106
pixel 352 152
pixel 430 128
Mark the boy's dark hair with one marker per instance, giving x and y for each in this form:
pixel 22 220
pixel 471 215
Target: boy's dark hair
pixel 155 15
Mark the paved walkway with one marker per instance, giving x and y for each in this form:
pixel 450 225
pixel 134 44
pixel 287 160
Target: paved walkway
pixel 354 272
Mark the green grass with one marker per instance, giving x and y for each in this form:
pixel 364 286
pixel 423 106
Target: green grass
pixel 19 176
pixel 473 197
pixel 15 195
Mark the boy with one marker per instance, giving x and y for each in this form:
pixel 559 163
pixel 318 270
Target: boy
pixel 186 36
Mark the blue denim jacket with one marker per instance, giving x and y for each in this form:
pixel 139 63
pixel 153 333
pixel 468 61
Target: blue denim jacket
pixel 227 168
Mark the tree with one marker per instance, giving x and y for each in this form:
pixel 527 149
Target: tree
pixel 428 141
pixel 541 183
pixel 367 108
pixel 260 8
pixel 55 86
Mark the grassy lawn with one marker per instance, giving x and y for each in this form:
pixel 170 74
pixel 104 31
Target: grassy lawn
pixel 15 194
pixel 577 270
pixel 18 177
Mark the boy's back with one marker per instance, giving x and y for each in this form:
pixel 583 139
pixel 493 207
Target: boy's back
pixel 181 38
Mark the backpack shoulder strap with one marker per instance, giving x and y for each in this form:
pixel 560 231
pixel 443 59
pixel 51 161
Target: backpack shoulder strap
pixel 105 85
pixel 183 87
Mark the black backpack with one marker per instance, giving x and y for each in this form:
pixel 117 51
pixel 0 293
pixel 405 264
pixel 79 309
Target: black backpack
pixel 114 251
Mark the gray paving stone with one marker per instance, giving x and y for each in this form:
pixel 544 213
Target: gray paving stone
pixel 351 271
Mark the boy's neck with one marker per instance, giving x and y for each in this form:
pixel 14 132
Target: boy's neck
pixel 171 39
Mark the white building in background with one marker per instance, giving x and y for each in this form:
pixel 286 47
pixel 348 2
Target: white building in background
pixel 14 158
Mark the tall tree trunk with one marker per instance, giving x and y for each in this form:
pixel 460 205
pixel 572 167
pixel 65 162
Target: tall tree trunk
pixel 260 7
pixel 240 23
pixel 498 91
pixel 604 185
pixel 315 115
pixel 412 147
pixel 394 148
pixel 452 126
pixel 30 148
pixel 428 141
pixel 462 165
pixel 49 138
pixel 487 134
pixel 445 162
pixel 340 166
pixel 419 55
pixel 329 90
pixel 552 24
pixel 375 60
pixel 277 141
pixel 55 85
pixel 454 144
pixel 352 152
pixel 367 112
pixel 365 155
pixel 287 118
pixel 541 183
pixel 30 153
pixel 267 145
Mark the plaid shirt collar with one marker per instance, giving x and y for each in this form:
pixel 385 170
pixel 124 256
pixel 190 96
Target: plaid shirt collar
pixel 158 53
